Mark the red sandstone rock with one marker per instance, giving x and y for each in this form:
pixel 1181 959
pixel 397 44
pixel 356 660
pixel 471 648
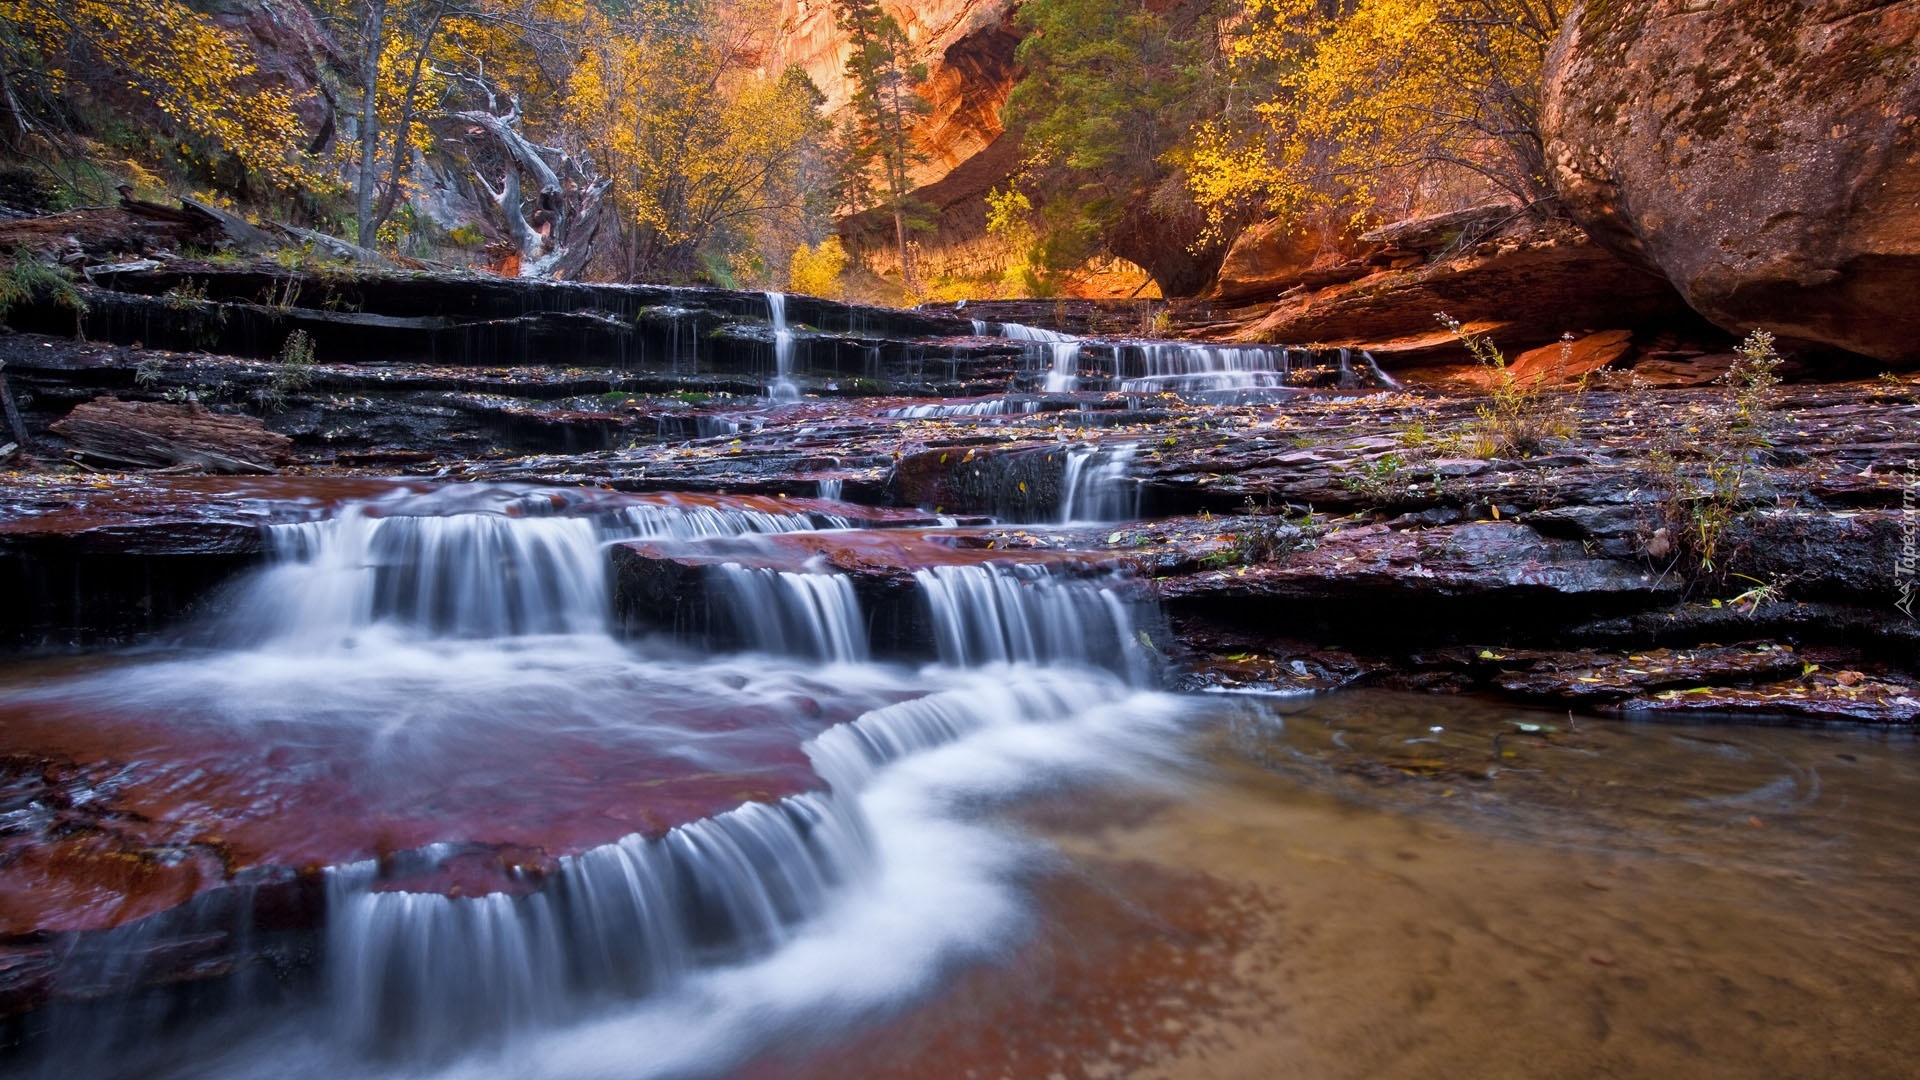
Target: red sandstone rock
pixel 1276 255
pixel 1530 288
pixel 1765 156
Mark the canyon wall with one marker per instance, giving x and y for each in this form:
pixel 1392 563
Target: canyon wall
pixel 968 47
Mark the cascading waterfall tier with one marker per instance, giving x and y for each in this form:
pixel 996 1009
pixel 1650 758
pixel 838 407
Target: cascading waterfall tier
pixel 998 406
pixel 1061 352
pixel 439 667
pixel 503 573
pixel 794 613
pixel 1029 614
pixel 784 390
pixel 1097 485
pixel 430 974
pixel 1165 366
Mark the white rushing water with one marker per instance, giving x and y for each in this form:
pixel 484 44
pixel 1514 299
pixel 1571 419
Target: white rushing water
pixel 794 613
pixel 784 390
pixel 1098 486
pixel 1169 366
pixel 1061 351
pixel 457 668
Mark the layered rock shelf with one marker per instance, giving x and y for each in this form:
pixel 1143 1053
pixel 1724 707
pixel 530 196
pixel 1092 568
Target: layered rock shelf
pixel 1298 520
pixel 1296 514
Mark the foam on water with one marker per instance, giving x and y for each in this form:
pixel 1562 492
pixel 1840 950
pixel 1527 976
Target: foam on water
pixel 419 646
pixel 935 885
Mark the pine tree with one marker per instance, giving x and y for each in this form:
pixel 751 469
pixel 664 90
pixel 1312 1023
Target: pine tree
pixel 885 104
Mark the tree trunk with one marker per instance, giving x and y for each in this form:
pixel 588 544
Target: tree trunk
pixel 900 237
pixel 569 208
pixel 376 30
pixel 150 434
pixel 391 197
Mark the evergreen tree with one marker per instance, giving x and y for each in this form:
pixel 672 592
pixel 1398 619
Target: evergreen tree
pixel 885 105
pixel 1110 91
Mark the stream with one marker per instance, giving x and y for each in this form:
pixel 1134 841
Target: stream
pixel 412 802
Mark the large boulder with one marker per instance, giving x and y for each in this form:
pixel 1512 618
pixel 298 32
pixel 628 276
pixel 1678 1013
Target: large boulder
pixel 1525 288
pixel 1280 253
pixel 1763 154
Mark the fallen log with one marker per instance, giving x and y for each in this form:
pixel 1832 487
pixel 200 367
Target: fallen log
pixel 147 434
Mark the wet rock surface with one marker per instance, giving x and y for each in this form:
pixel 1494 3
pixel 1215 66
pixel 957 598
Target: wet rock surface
pixel 1298 536
pixel 1357 520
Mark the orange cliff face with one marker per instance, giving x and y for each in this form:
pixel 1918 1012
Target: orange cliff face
pixel 968 49
pixel 966 45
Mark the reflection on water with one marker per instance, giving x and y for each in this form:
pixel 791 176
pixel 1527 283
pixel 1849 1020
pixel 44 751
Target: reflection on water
pixel 1380 885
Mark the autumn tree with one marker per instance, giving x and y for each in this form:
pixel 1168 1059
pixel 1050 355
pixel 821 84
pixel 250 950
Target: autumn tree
pixel 420 62
pixel 886 103
pixel 703 152
pixel 61 58
pixel 1111 87
pixel 1374 97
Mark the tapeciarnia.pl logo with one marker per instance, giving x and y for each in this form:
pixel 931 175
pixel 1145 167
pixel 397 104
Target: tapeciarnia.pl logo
pixel 1906 565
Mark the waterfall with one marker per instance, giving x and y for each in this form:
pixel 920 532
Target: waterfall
pixel 849 755
pixel 997 406
pixel 1063 376
pixel 783 391
pixel 534 828
pixel 687 522
pixel 795 614
pixel 1031 614
pixel 1373 368
pixel 1188 368
pixel 830 488
pixel 461 576
pixel 1061 351
pixel 432 974
pixel 1096 487
pixel 465 574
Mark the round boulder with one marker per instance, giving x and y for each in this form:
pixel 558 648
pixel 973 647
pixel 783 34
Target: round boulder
pixel 1763 154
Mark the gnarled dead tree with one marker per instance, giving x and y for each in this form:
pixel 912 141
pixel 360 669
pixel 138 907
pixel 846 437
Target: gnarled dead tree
pixel 555 230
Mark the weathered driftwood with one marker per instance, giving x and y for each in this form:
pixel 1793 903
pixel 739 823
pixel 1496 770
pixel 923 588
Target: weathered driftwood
pixel 147 434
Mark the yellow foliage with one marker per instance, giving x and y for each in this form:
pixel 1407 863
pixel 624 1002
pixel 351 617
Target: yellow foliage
pixel 1010 221
pixel 1365 100
pixel 698 144
pixel 816 270
pixel 192 71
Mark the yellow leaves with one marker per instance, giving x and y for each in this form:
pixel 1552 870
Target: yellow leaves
pixel 815 270
pixel 193 71
pixel 1363 101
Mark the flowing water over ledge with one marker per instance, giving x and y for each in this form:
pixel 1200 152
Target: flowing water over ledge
pixel 411 807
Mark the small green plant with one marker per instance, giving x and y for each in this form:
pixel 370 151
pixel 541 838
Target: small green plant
pixel 294 258
pixel 282 293
pixel 1753 381
pixel 293 370
pixel 187 294
pixel 1416 435
pixel 1375 480
pixel 148 371
pixel 1762 593
pixel 1701 470
pixel 1522 415
pixel 468 236
pixel 27 278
